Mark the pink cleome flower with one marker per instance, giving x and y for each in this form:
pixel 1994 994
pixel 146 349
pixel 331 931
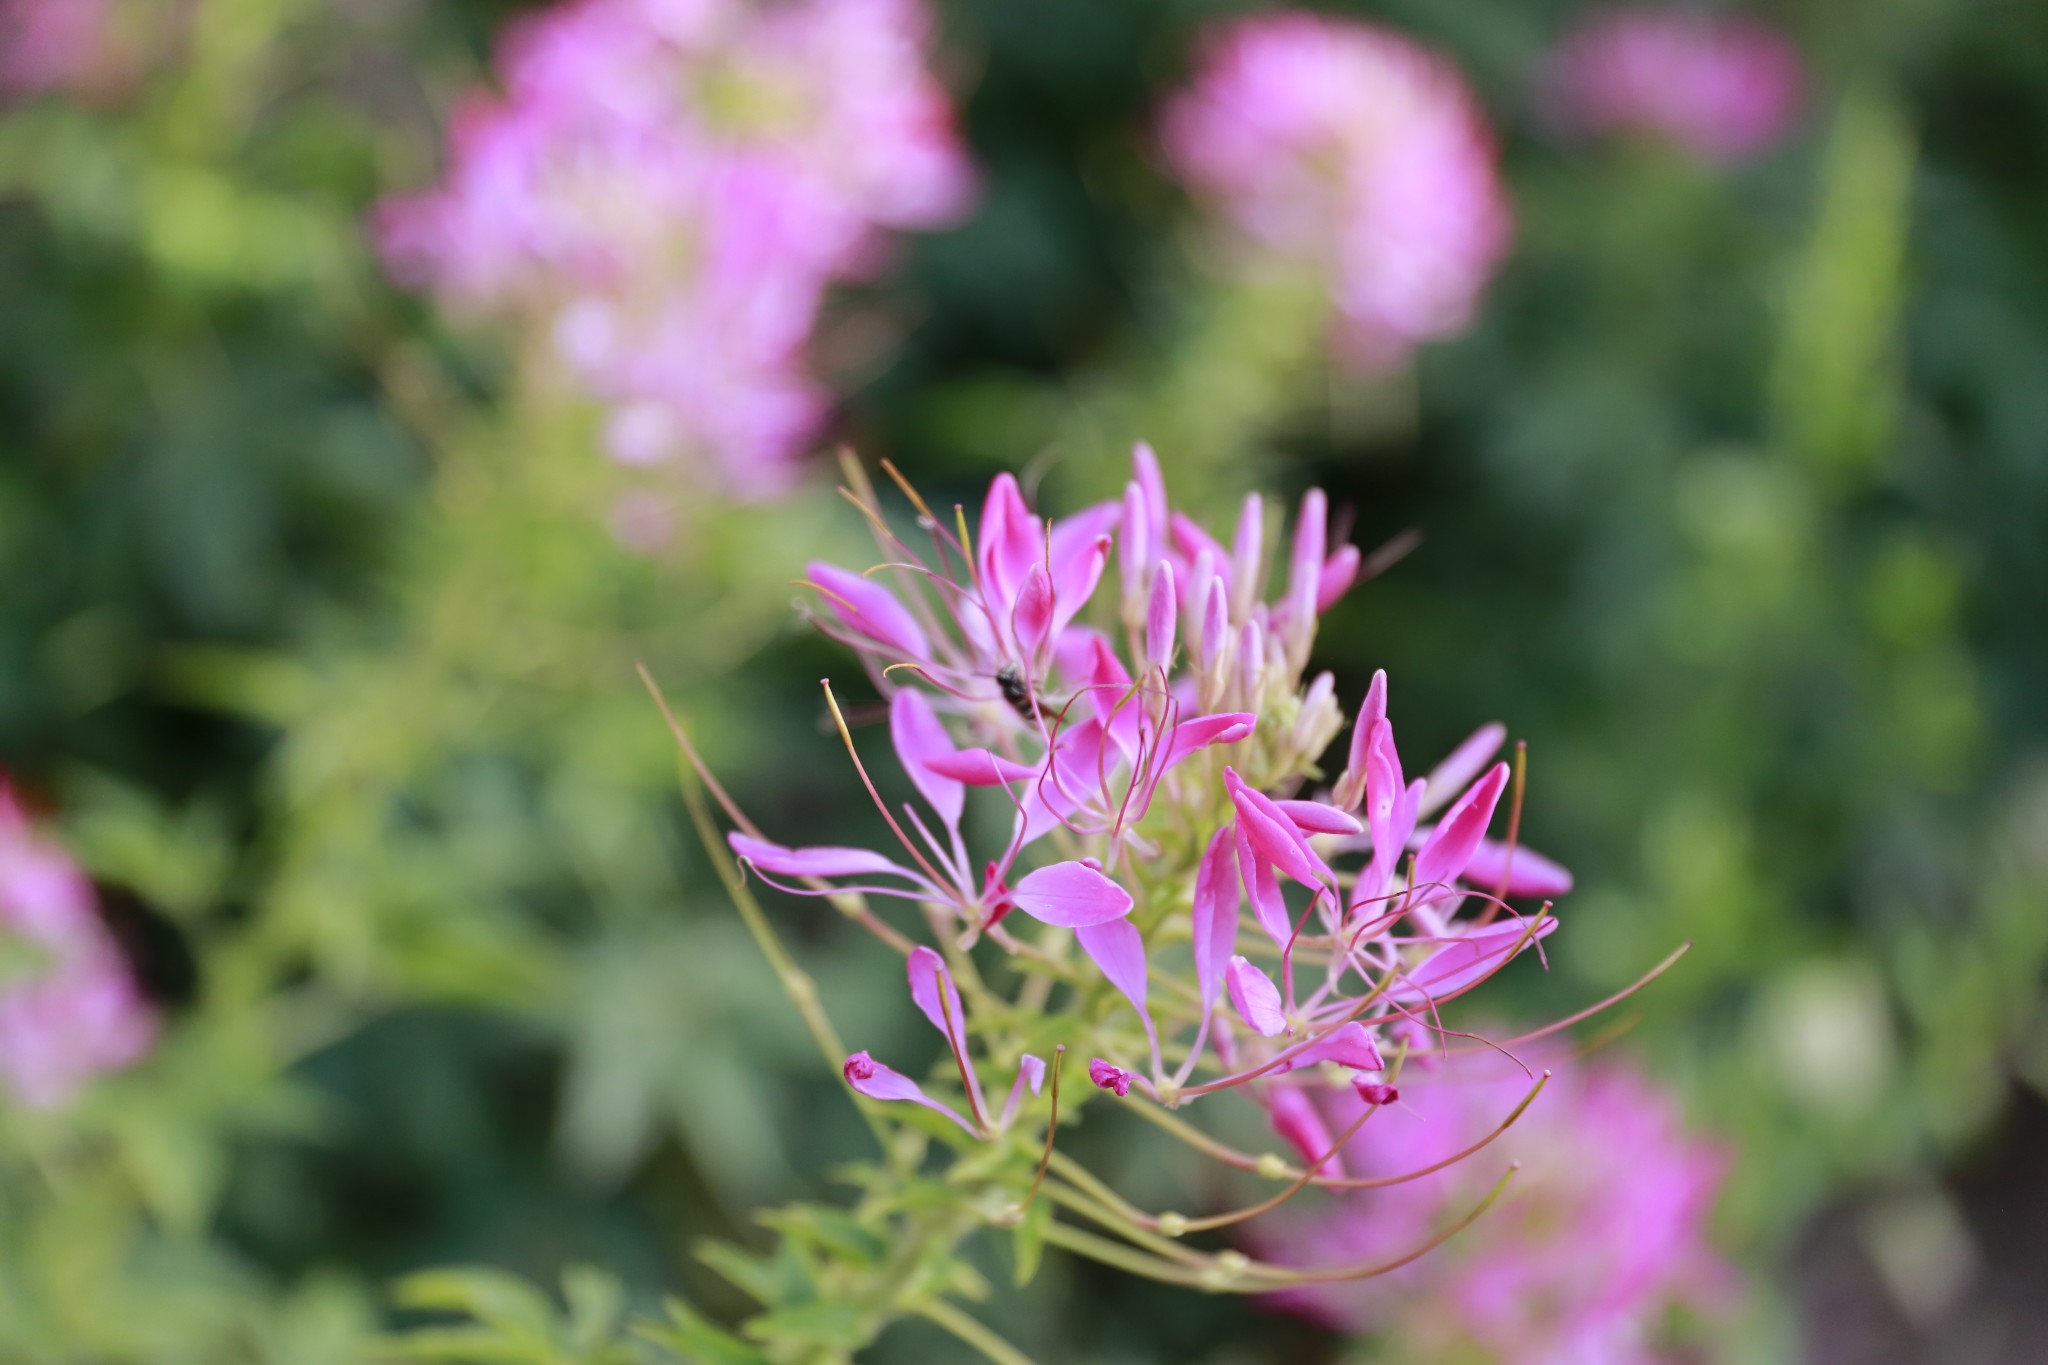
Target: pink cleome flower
pixel 1582 1258
pixel 1349 149
pixel 1723 87
pixel 669 187
pixel 77 1012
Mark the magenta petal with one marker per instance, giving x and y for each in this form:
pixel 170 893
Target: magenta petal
pixel 1109 1076
pixel 879 1082
pixel 814 862
pixel 1295 1118
pixel 1340 571
pixel 1463 764
pixel 920 738
pixel 1444 854
pixel 1313 817
pixel 980 768
pixel 1255 996
pixel 1225 727
pixel 1371 712
pixel 931 988
pixel 1032 617
pixel 1273 835
pixel 1464 961
pixel 870 609
pixel 1215 914
pixel 1071 895
pixel 1347 1045
pixel 1119 950
pixel 1009 540
pixel 1530 874
pixel 1262 889
pixel 1079 552
pixel 1162 615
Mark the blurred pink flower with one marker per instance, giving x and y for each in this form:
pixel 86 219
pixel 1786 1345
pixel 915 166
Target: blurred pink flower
pixel 78 1012
pixel 668 188
pixel 1598 1236
pixel 1350 149
pixel 1724 87
pixel 50 45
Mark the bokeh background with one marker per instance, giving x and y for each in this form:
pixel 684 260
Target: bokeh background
pixel 316 635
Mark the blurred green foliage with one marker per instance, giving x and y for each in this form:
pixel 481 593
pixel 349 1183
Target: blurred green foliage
pixel 1733 505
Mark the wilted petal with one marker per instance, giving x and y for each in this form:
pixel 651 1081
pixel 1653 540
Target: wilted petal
pixel 1376 1093
pixel 1444 854
pixel 920 738
pixel 869 609
pixel 878 1082
pixel 1215 914
pixel 1110 1077
pixel 1071 895
pixel 1255 996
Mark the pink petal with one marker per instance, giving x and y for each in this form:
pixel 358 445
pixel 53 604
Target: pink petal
pixel 920 738
pixel 1191 541
pixel 1160 619
pixel 1031 619
pixel 1215 622
pixel 1262 888
pixel 1215 914
pixel 1463 764
pixel 1071 895
pixel 1340 571
pixel 1347 1045
pixel 1110 1077
pixel 1079 553
pixel 869 609
pixel 1295 1118
pixel 1444 855
pixel 980 768
pixel 813 862
pixel 1225 727
pixel 1119 950
pixel 1313 817
pixel 1464 961
pixel 1137 550
pixel 1531 874
pixel 1273 835
pixel 1255 996
pixel 931 987
pixel 880 1082
pixel 1009 541
pixel 1248 553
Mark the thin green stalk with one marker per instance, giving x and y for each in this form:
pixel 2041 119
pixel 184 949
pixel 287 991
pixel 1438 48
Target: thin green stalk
pixel 972 1331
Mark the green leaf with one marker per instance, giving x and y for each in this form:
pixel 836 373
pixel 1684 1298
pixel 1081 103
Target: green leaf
pixel 689 1335
pixel 825 1323
pixel 833 1232
pixel 493 1297
pixel 596 1303
pixel 1027 1241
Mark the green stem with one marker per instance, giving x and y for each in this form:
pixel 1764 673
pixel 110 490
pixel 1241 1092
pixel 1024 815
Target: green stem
pixel 972 1331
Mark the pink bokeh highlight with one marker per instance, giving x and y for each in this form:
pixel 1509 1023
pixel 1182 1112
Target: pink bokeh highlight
pixel 1351 150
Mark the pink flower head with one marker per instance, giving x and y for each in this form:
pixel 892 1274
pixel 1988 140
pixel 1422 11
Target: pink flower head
pixel 1724 87
pixel 51 45
pixel 669 187
pixel 1348 149
pixel 80 1012
pixel 1580 1261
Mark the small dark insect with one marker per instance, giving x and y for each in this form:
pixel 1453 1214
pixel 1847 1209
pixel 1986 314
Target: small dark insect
pixel 157 954
pixel 1017 691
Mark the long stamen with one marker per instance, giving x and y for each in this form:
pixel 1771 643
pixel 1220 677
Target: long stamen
pixel 846 737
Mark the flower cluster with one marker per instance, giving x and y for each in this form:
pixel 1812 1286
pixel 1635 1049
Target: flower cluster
pixel 1347 149
pixel 669 187
pixel 1580 1263
pixel 1131 695
pixel 1723 87
pixel 70 1007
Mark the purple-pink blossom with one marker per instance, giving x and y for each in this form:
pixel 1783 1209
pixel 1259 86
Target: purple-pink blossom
pixel 666 189
pixel 51 45
pixel 1724 87
pixel 1346 149
pixel 77 1012
pixel 1601 1232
